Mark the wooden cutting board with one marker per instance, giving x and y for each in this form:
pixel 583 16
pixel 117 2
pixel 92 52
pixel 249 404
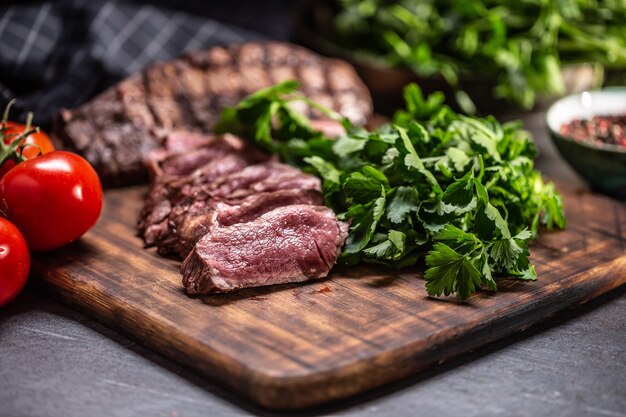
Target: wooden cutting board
pixel 293 346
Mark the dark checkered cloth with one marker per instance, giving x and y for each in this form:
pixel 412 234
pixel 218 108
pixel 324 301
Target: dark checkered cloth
pixel 61 53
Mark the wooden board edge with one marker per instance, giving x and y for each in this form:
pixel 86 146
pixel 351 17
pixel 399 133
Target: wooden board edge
pixel 302 391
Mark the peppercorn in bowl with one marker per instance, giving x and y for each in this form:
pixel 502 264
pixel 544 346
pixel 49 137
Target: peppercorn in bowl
pixel 589 130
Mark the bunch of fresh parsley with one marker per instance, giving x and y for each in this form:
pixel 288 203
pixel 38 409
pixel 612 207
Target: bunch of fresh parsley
pixel 521 44
pixel 460 192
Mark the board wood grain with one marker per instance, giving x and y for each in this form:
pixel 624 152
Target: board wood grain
pixel 293 346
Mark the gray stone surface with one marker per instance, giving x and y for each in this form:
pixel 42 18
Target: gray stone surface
pixel 57 362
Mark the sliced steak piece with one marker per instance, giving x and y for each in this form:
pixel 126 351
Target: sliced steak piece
pixel 178 141
pixel 189 157
pixel 226 185
pixel 288 244
pixel 266 176
pixel 196 163
pixel 153 219
pixel 254 179
pixel 183 152
pixel 231 212
pixel 169 191
pixel 261 178
pixel 203 216
pixel 116 130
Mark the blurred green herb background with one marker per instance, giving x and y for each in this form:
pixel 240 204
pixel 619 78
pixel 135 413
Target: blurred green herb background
pixel 521 45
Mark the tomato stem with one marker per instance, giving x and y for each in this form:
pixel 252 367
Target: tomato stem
pixel 7 109
pixel 11 144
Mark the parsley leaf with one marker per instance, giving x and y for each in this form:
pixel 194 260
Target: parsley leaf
pixel 365 218
pixel 363 186
pixel 450 272
pixel 403 201
pixel 461 192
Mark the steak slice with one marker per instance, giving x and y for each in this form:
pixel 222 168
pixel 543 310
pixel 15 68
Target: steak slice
pixel 118 129
pixel 153 220
pixel 169 190
pixel 288 244
pixel 203 216
pixel 189 157
pixel 269 176
pixel 178 141
pixel 185 152
pixel 197 197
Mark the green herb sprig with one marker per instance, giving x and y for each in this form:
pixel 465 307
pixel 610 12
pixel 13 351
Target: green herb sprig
pixel 459 192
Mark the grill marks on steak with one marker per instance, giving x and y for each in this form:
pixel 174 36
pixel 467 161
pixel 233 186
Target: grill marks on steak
pixel 288 244
pixel 105 133
pixel 123 125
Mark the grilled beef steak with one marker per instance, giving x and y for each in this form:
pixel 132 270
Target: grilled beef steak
pixel 288 244
pixel 131 120
pixel 216 186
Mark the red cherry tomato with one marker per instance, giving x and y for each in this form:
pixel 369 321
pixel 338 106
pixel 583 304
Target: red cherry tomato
pixel 14 261
pixel 53 199
pixel 39 143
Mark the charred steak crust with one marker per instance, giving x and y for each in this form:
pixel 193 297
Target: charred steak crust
pixel 288 244
pixel 118 128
